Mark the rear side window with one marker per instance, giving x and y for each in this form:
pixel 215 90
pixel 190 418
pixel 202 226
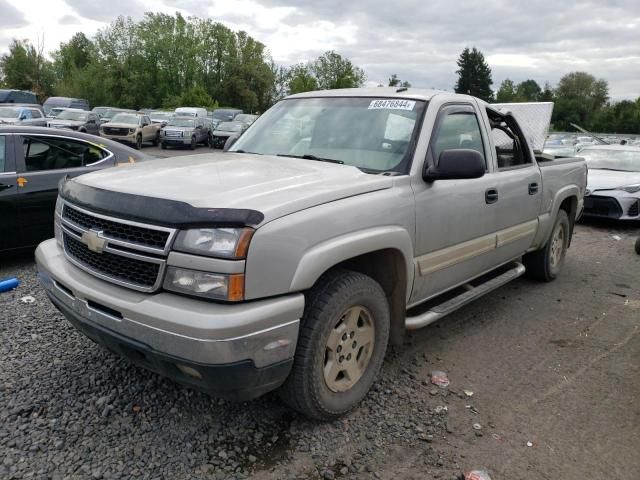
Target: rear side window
pixel 48 153
pixel 458 129
pixel 3 143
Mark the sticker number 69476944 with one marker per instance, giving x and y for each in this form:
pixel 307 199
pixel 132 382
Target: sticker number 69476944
pixel 392 104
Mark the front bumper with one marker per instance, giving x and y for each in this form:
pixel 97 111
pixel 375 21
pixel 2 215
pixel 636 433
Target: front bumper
pixel 119 138
pixel 237 351
pixel 176 140
pixel 613 204
pixel 219 141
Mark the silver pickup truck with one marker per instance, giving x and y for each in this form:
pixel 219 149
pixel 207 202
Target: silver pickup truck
pixel 337 221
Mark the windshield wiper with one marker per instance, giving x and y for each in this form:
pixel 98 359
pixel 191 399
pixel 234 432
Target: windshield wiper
pixel 312 157
pixel 244 151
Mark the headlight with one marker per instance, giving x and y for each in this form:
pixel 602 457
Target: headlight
pixel 58 209
pixel 215 242
pixel 204 284
pixel 630 188
pixel 132 131
pixel 57 229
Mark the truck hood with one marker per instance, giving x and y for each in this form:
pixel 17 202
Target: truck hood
pixel 275 186
pixel 120 125
pixel 608 179
pixel 66 123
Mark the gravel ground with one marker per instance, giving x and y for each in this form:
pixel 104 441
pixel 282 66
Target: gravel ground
pixel 69 410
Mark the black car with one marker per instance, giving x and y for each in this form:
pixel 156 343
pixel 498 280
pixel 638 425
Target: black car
pixel 32 162
pixel 224 130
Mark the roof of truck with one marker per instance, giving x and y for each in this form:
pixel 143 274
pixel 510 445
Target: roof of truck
pixel 373 92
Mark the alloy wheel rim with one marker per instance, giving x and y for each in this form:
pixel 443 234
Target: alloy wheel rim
pixel 557 246
pixel 349 348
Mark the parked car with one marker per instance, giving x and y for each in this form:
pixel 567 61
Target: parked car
pixel 110 113
pixel 560 150
pixel 64 102
pixel 18 96
pixel 161 117
pixel 224 130
pixel 75 119
pixel 220 115
pixel 246 118
pixel 55 111
pixel 190 112
pixel 288 263
pixel 613 189
pixel 132 128
pixel 185 131
pixel 28 115
pixel 32 162
pixel 100 111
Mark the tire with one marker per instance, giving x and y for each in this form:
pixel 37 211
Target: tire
pixel 336 294
pixel 163 145
pixel 156 140
pixel 138 144
pixel 545 264
pixel 209 141
pixel 638 246
pixel 192 145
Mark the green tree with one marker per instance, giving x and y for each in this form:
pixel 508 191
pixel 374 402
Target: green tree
pixel 394 81
pixel 507 91
pixel 528 91
pixel 26 68
pixel 578 98
pixel 334 71
pixel 474 75
pixel 547 93
pixel 301 79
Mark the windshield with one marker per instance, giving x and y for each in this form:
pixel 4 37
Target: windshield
pixel 370 133
pixel 71 115
pixel 229 127
pixel 181 122
pixel 9 112
pixel 245 118
pixel 111 113
pixel 623 160
pixel 125 118
pixel 222 115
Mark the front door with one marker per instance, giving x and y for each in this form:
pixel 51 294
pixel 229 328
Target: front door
pixel 10 233
pixel 456 219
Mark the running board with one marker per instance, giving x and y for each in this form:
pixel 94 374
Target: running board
pixel 470 294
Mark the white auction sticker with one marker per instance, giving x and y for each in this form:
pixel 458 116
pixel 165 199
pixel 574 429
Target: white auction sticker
pixel 392 104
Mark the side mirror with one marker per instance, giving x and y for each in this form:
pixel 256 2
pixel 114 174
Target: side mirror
pixel 456 164
pixel 230 141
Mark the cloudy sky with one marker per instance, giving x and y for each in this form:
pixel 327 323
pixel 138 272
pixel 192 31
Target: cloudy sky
pixel 417 39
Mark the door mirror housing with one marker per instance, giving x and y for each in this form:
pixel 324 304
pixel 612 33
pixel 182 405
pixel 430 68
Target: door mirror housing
pixel 456 164
pixel 230 141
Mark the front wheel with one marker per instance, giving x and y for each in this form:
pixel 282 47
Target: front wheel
pixel 193 143
pixel 638 246
pixel 156 140
pixel 342 342
pixel 138 144
pixel 545 264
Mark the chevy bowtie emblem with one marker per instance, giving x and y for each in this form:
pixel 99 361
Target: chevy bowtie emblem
pixel 94 241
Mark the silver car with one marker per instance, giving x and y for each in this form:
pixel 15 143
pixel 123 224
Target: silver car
pixel 25 115
pixel 613 187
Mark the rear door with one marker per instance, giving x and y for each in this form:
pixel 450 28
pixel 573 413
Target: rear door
pixel 518 185
pixel 42 162
pixel 9 225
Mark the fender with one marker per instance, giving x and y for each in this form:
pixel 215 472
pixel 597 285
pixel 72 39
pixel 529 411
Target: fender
pixel 547 219
pixel 329 253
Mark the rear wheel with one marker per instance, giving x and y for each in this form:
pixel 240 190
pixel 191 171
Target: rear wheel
pixel 138 144
pixel 341 346
pixel 545 264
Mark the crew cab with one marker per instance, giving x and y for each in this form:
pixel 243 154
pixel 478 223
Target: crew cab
pixel 336 222
pixel 132 128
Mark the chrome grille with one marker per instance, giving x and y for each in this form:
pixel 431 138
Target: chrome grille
pixel 173 133
pixel 116 230
pixel 120 251
pixel 124 269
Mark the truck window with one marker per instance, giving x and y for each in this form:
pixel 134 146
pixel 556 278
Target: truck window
pixel 458 129
pixel 46 153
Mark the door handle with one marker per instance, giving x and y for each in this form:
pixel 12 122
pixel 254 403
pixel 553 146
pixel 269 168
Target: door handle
pixel 4 186
pixel 491 195
pixel 533 188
